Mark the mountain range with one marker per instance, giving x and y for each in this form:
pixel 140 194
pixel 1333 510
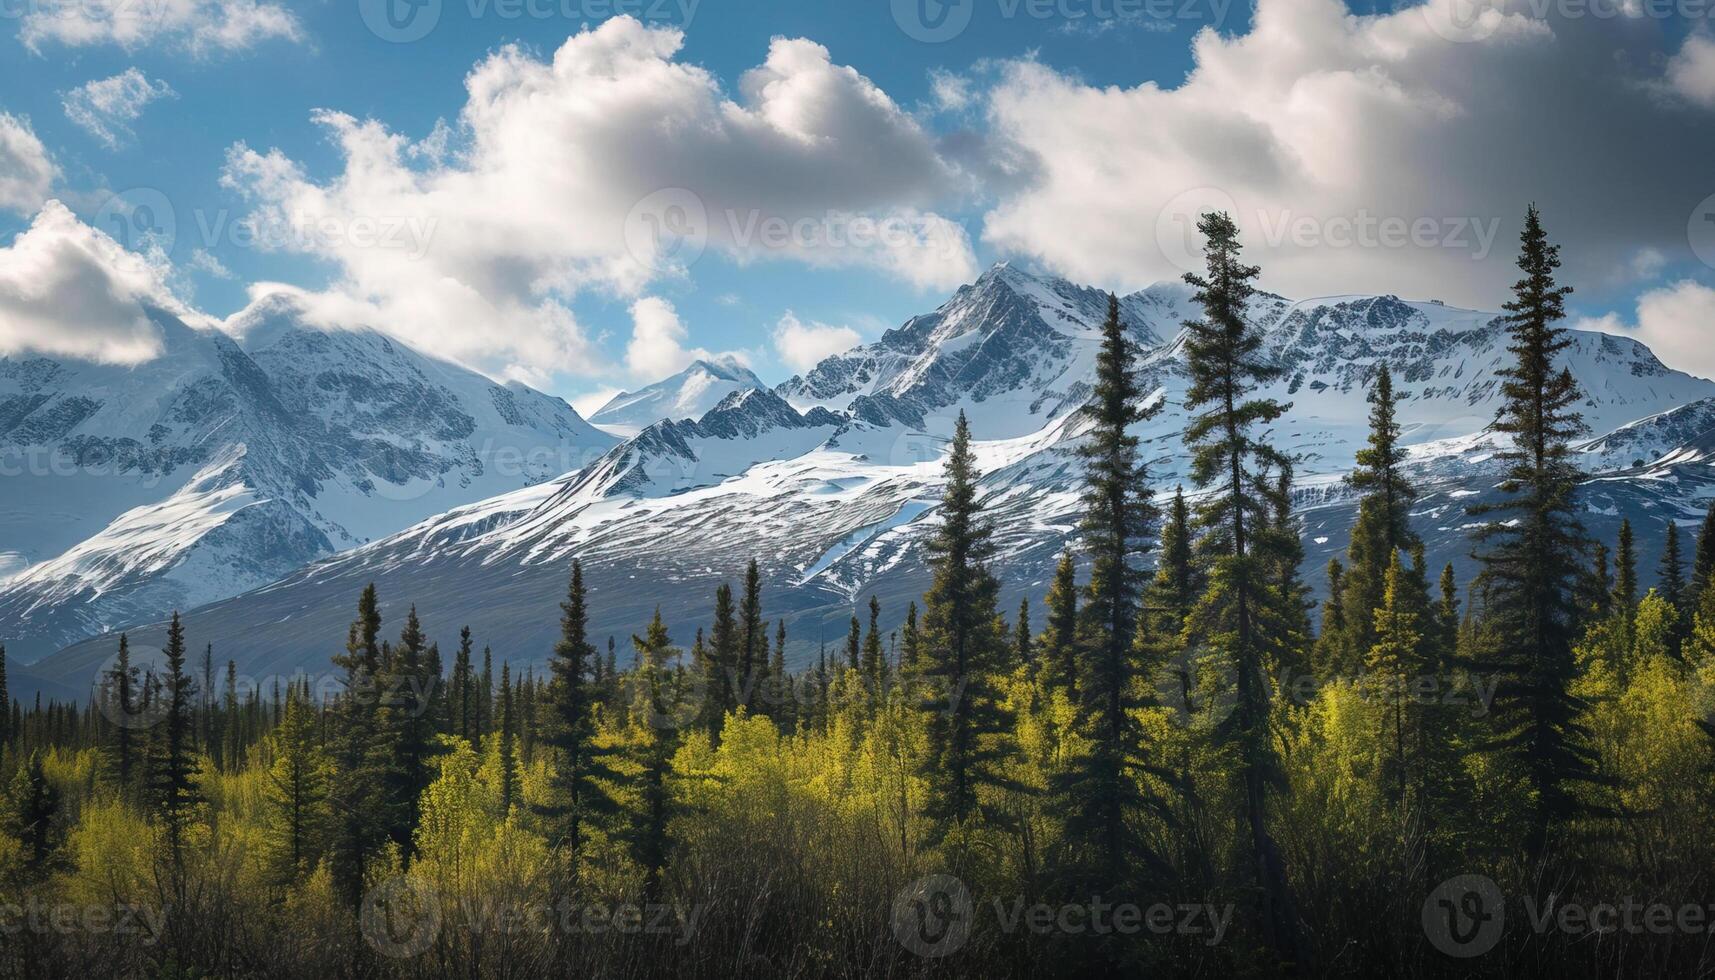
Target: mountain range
pixel 830 479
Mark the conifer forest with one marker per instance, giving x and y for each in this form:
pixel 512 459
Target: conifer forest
pixel 1171 762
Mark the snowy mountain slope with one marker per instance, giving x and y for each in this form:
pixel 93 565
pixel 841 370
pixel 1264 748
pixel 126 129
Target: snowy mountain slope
pixel 224 464
pixel 686 395
pixel 831 480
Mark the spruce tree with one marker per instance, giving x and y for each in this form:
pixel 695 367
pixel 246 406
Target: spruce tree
pixel 119 696
pixel 295 792
pixel 1703 563
pixel 872 659
pixel 725 662
pixel 1671 586
pixel 507 744
pixel 962 649
pixel 5 702
pixel 1332 654
pixel 1178 581
pixel 782 707
pixel 407 729
pixel 354 793
pixel 911 642
pixel 1383 524
pixel 234 750
pixel 1226 364
pixel 1626 574
pixel 1533 551
pixel 581 770
pixel 1060 638
pixel 464 690
pixel 854 644
pixel 33 816
pixel 1393 660
pixel 753 636
pixel 653 742
pixel 1101 789
pixel 1023 651
pixel 173 770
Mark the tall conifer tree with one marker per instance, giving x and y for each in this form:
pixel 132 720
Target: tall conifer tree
pixel 1534 548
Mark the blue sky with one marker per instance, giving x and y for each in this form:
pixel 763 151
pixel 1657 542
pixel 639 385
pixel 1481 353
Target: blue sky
pixel 1047 145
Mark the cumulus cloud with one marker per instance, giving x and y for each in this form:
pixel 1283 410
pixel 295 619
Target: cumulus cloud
pixel 1392 152
pixel 609 166
pixel 199 26
pixel 1673 321
pixel 1691 73
pixel 27 173
pixel 105 107
pixel 69 290
pixel 657 347
pixel 801 346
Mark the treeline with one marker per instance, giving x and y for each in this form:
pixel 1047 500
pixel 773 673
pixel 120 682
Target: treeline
pixel 1173 762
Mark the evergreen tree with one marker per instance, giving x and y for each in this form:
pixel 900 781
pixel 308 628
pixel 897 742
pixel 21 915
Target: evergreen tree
pixel 1289 639
pixel 34 816
pixel 653 742
pixel 5 703
pixel 910 646
pixel 1226 365
pixel 854 644
pixel 508 743
pixel 1332 653
pixel 1102 788
pixel 296 791
pixel 1178 580
pixel 962 649
pixel 1626 574
pixel 234 750
pixel 1596 601
pixel 725 663
pixel 872 659
pixel 1022 640
pixel 1671 587
pixel 407 731
pixel 354 797
pixel 1703 564
pixel 173 794
pixel 1446 622
pixel 1060 639
pixel 782 706
pixel 753 636
pixel 1533 550
pixel 1383 524
pixel 580 771
pixel 464 690
pixel 1392 662
pixel 119 698
pixel 485 697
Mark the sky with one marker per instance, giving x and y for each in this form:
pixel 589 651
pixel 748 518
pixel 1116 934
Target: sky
pixel 585 195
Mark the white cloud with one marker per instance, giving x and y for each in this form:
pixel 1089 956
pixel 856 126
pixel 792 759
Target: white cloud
pixel 106 106
pixel 952 92
pixel 203 260
pixel 69 290
pixel 1318 125
pixel 657 348
pixel 27 173
pixel 535 200
pixel 1674 321
pixel 199 26
pixel 802 346
pixel 1691 73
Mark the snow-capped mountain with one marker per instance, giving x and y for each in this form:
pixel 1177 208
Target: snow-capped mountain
pixel 231 460
pixel 687 395
pixel 831 480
